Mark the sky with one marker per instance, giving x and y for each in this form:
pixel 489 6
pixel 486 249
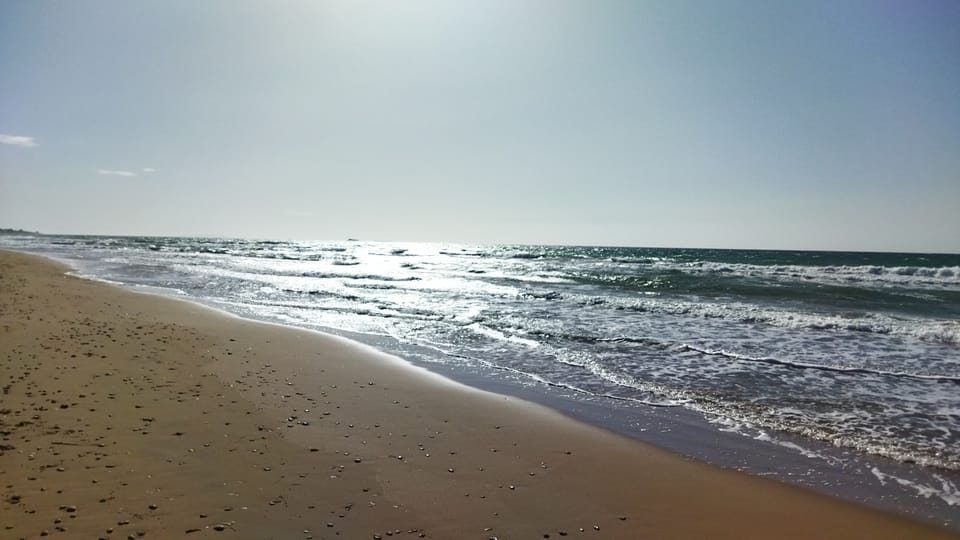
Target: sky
pixel 760 124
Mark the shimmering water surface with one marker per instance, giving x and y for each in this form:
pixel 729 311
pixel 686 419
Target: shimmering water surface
pixel 859 350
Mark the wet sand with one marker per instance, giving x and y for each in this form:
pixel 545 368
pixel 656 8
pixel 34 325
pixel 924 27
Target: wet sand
pixel 125 415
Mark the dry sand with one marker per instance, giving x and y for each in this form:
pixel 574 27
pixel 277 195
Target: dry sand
pixel 127 415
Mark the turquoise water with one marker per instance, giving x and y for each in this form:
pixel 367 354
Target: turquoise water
pixel 857 350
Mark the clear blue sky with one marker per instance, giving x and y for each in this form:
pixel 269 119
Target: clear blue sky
pixel 815 124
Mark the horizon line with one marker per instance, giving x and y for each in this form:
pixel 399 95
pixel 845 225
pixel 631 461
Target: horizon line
pixel 8 230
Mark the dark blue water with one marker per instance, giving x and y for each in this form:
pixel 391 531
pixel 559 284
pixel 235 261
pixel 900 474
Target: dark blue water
pixel 857 350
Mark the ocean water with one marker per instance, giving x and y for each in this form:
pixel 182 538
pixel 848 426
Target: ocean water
pixel 860 351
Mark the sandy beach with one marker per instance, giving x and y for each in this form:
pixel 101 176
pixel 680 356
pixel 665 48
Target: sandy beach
pixel 125 415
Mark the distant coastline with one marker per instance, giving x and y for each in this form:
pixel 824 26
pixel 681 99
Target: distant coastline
pixel 19 231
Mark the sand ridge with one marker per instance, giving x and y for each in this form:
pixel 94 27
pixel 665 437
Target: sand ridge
pixel 126 415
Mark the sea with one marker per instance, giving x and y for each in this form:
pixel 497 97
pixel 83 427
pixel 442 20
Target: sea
pixel 835 370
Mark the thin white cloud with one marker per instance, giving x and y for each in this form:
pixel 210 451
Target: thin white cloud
pixel 114 172
pixel 149 170
pixel 17 140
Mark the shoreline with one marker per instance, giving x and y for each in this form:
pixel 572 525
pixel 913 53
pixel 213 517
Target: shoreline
pixel 172 411
pixel 841 473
